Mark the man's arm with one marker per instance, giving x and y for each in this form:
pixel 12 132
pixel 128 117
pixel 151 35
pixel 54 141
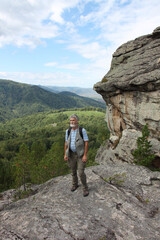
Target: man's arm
pixel 84 158
pixel 65 149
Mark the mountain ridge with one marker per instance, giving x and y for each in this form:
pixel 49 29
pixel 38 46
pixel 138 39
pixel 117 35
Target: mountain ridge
pixel 19 99
pixel 84 92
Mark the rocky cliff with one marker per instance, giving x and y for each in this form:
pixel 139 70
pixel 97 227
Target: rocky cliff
pixel 131 90
pixel 124 199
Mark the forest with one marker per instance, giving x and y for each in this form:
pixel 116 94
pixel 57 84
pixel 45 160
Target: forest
pixel 32 147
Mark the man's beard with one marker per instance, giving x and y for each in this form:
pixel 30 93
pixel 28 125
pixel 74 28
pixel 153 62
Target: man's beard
pixel 72 125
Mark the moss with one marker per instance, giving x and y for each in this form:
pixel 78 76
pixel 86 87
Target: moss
pixel 103 238
pixel 104 79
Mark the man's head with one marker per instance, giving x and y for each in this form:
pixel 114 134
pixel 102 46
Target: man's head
pixel 74 120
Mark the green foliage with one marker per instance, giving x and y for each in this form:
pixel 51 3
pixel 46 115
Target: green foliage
pixel 37 152
pixel 53 164
pixel 6 177
pixel 22 165
pixel 147 200
pixel 142 155
pixel 20 194
pixel 117 179
pixel 102 238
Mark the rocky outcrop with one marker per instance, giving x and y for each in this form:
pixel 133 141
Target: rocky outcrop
pixel 123 204
pixel 131 90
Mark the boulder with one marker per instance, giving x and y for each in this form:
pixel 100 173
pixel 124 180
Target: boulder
pixel 131 88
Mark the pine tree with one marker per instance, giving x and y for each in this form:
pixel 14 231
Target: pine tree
pixel 142 155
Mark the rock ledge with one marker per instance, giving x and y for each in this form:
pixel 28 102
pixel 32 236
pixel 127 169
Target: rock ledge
pixel 126 207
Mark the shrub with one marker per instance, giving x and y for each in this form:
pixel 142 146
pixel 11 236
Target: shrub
pixel 142 155
pixel 117 179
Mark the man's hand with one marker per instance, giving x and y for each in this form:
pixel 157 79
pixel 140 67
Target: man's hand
pixel 65 158
pixel 84 159
pixel 65 150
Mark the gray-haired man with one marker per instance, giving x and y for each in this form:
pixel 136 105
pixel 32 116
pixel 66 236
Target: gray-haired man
pixel 76 147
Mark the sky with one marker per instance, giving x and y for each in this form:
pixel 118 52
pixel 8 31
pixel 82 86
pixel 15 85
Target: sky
pixel 68 42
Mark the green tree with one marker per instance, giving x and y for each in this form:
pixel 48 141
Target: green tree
pixel 22 166
pixel 142 155
pixel 91 157
pixel 53 164
pixel 6 176
pixel 38 151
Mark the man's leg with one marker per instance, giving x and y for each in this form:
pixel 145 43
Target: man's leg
pixel 82 175
pixel 72 162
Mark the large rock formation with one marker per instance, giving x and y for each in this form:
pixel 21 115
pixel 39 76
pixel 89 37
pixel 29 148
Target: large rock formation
pixel 123 204
pixel 131 90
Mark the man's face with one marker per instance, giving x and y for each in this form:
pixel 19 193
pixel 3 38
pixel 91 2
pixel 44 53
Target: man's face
pixel 73 122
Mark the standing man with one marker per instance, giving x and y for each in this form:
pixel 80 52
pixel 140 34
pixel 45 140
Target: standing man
pixel 76 147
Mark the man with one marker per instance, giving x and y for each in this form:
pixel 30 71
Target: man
pixel 76 147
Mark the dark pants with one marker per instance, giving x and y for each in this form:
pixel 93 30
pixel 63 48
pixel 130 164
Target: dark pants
pixel 75 163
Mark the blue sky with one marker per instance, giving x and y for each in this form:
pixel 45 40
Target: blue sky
pixel 68 42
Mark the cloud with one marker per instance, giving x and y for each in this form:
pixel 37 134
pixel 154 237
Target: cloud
pixel 120 21
pixel 29 22
pixel 50 64
pixel 90 30
pixel 91 50
pixel 57 78
pixel 69 66
pixel 115 23
pixel 54 78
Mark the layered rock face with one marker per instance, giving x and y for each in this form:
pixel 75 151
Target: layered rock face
pixel 131 89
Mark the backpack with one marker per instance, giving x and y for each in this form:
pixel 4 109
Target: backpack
pixel 80 132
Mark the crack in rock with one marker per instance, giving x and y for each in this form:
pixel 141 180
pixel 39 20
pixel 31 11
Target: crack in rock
pixel 153 212
pixel 65 231
pixel 10 234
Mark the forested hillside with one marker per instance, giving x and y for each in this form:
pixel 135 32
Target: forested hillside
pixel 32 147
pixel 17 100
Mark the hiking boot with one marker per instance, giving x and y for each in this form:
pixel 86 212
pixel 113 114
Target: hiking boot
pixel 74 188
pixel 85 193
